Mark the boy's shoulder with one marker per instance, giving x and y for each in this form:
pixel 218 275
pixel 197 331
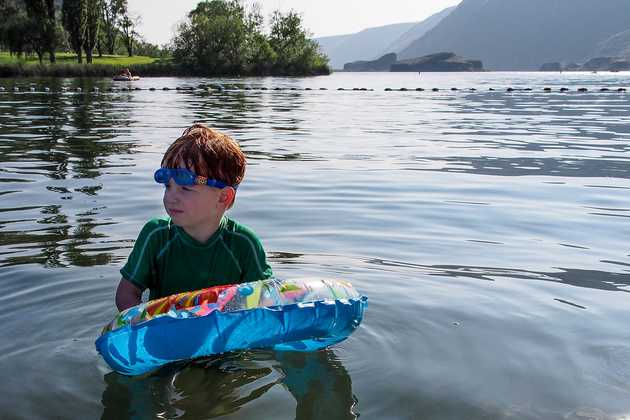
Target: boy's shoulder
pixel 158 222
pixel 155 226
pixel 240 232
pixel 234 227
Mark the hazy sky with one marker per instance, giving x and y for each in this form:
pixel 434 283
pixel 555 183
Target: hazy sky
pixel 321 17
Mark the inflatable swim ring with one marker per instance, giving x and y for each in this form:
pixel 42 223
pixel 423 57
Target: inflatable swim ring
pixel 304 315
pixel 125 78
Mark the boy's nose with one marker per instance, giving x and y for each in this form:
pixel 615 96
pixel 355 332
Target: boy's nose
pixel 170 193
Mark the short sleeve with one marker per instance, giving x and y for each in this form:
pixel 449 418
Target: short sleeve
pixel 254 266
pixel 139 266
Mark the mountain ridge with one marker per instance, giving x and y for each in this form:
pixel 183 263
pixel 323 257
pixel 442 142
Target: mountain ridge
pixel 371 43
pixel 524 34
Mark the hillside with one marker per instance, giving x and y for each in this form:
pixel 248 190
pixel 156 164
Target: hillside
pixel 364 45
pixel 524 34
pixel 617 45
pixel 417 31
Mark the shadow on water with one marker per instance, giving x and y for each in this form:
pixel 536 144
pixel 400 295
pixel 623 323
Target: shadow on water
pixel 512 167
pixel 219 386
pixel 591 279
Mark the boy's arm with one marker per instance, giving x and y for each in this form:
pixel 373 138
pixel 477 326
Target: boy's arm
pixel 255 266
pixel 127 295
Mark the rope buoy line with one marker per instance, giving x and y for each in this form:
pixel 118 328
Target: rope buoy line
pixel 221 88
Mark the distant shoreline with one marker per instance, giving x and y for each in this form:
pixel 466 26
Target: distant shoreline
pixel 20 70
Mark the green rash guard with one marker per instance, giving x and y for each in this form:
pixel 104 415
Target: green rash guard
pixel 166 260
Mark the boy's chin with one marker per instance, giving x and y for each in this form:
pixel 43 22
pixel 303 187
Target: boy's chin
pixel 177 218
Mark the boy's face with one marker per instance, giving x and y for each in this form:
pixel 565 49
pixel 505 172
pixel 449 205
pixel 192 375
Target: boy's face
pixel 195 207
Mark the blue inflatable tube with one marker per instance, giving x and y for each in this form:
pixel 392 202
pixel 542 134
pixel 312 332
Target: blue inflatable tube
pixel 302 316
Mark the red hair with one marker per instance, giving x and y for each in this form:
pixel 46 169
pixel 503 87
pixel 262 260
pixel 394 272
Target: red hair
pixel 207 152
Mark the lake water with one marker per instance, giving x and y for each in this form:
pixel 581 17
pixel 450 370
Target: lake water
pixel 490 231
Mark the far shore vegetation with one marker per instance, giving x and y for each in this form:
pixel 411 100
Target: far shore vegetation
pixel 98 38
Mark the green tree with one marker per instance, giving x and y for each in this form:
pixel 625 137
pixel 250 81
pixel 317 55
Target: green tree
pixel 224 37
pixel 113 12
pixel 214 39
pixel 42 27
pixel 13 26
pixel 296 52
pixel 128 31
pixel 52 30
pixel 92 27
pixel 74 16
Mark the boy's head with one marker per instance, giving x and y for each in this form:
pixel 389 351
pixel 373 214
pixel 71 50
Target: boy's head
pixel 207 152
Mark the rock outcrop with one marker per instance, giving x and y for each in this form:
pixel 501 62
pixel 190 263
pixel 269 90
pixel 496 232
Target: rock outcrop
pixel 381 64
pixel 594 64
pixel 444 61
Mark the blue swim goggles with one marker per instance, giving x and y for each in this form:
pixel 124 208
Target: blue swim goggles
pixel 183 176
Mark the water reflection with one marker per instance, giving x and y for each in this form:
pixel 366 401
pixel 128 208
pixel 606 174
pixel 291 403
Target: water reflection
pixel 53 146
pixel 215 387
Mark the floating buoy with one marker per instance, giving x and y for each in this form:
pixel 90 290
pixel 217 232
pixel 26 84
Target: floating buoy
pixel 230 88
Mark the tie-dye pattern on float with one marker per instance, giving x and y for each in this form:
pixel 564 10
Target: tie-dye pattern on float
pixel 303 315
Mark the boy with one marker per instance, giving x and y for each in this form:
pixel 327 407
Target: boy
pixel 197 246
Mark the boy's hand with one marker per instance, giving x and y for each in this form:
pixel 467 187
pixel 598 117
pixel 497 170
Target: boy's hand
pixel 127 295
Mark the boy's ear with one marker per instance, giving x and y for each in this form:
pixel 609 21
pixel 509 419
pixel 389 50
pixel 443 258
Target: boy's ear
pixel 227 196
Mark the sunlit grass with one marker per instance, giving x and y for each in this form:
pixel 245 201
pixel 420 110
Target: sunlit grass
pixel 68 58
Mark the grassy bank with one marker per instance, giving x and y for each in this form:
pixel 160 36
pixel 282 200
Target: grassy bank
pixel 68 58
pixel 67 66
pixel 108 66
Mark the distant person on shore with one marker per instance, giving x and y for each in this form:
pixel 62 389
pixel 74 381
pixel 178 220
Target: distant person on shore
pixel 196 246
pixel 125 73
